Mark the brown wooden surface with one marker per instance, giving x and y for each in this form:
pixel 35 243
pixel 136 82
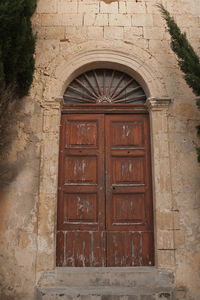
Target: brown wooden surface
pixel 128 190
pixel 81 205
pixel 105 108
pixel 105 214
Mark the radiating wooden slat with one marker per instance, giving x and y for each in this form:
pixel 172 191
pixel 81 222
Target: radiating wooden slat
pixel 104 82
pixel 116 87
pixel 97 81
pixel 130 99
pixel 90 83
pixel 127 93
pixel 81 93
pixel 86 88
pixel 79 99
pixel 124 87
pixel 111 81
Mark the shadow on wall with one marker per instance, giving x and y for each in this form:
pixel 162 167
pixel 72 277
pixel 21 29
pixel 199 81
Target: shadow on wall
pixel 109 1
pixel 17 141
pixel 10 106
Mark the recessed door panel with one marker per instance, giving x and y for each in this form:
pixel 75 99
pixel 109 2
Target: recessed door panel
pixel 128 170
pixel 81 133
pixel 128 208
pixel 81 169
pixel 80 208
pixel 127 134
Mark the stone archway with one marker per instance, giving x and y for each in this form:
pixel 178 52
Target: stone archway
pixel 158 108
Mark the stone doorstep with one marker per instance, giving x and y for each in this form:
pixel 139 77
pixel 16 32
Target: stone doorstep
pixel 102 293
pixel 134 277
pixel 136 283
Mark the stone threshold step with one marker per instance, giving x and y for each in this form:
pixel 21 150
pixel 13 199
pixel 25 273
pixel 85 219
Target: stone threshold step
pixel 125 277
pixel 103 293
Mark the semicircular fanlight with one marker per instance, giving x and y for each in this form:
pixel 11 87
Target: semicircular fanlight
pixel 104 86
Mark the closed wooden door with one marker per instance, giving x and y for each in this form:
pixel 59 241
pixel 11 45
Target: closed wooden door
pixel 105 215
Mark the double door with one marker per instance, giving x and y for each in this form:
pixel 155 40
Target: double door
pixel 105 214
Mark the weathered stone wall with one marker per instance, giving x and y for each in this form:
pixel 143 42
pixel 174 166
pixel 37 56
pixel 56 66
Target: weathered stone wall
pixel 18 204
pixel 71 35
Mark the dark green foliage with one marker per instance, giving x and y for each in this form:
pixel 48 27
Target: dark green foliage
pixel 188 60
pixel 198 105
pixel 1 70
pixel 17 44
pixel 198 102
pixel 198 131
pixel 198 154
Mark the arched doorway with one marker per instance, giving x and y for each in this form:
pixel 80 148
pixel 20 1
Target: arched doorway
pixel 105 213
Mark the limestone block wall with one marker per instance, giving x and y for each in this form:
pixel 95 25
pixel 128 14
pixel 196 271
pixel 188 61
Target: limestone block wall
pixel 72 36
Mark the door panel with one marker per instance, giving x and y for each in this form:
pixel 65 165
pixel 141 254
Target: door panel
pixel 129 248
pixel 81 206
pixel 127 133
pixel 129 220
pixel 85 249
pixel 127 170
pixel 128 209
pixel 80 169
pixel 105 214
pixel 82 133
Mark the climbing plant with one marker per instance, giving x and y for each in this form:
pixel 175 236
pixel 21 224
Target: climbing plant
pixel 188 60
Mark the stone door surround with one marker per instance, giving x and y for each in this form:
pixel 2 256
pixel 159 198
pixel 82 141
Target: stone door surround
pixel 158 109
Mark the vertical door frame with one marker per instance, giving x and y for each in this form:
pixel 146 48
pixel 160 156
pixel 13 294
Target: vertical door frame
pixel 164 214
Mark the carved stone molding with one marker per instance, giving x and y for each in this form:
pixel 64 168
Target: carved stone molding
pixel 94 56
pixel 158 104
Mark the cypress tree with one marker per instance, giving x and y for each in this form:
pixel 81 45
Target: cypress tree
pixel 188 60
pixel 17 45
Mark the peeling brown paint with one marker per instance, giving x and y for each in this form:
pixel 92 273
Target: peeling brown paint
pixel 25 239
